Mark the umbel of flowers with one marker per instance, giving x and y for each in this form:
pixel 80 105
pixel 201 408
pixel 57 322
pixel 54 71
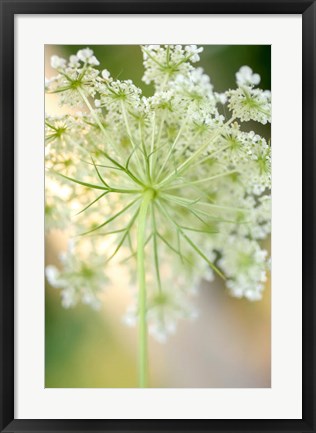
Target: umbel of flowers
pixel 169 184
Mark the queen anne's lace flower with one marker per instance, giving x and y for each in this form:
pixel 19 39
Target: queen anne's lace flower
pixel 204 178
pixel 80 279
pixel 114 93
pixel 163 64
pixel 248 103
pixel 78 74
pixel 196 90
pixel 165 309
pixel 56 213
pixel 245 266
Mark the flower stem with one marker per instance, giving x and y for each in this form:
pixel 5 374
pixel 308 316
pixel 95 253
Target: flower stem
pixel 141 234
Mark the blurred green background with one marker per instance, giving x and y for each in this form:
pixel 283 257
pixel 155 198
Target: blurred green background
pixel 229 345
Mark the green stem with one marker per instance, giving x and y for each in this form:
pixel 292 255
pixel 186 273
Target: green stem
pixel 167 159
pixel 187 163
pixel 195 182
pixel 129 133
pixel 155 246
pixel 92 111
pixel 141 234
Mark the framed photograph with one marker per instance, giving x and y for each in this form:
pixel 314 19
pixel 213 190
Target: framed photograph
pixel 157 200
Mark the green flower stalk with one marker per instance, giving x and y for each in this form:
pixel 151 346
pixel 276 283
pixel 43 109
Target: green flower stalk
pixel 167 185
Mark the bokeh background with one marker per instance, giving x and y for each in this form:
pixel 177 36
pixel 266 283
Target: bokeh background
pixel 228 346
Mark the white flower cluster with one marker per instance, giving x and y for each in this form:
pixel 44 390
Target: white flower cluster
pixel 248 102
pixel 82 277
pixel 78 73
pixel 163 64
pixel 208 180
pixel 113 93
pixel 164 311
pixel 244 263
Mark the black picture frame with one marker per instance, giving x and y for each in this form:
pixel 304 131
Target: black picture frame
pixel 8 9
